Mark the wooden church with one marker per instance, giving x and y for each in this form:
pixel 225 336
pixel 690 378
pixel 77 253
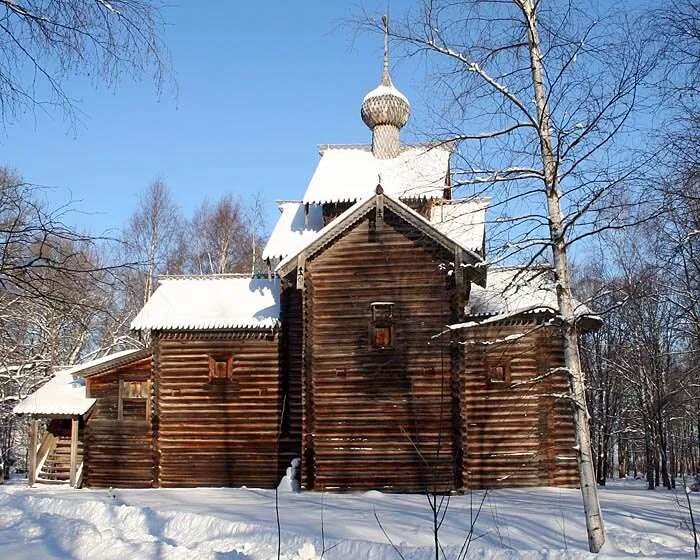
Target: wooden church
pixel 380 350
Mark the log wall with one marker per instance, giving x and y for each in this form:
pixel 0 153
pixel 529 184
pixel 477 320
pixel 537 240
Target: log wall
pixel 218 434
pixel 516 433
pixel 292 334
pixel 118 453
pixel 378 418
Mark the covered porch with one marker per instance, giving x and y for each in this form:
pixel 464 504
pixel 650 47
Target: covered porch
pixel 56 414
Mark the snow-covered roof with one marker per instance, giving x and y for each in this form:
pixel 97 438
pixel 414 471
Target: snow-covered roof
pixel 211 302
pixel 383 89
pixel 291 231
pixel 512 291
pixel 355 212
pixel 463 221
pixel 62 395
pixel 114 359
pixel 350 173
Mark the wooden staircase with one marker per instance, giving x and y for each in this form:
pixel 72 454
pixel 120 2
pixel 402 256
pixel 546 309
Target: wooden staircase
pixel 55 466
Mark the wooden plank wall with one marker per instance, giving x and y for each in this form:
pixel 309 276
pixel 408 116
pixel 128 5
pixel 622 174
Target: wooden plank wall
pixel 516 435
pixel 218 434
pixel 117 453
pixel 292 336
pixel 377 418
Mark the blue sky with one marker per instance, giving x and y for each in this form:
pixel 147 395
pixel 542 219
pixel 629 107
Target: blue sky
pixel 259 86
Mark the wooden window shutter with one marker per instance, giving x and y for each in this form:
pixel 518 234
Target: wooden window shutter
pixel 220 369
pixel 381 327
pixel 498 370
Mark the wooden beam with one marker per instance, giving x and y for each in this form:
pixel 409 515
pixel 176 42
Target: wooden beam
pixel 73 450
pixel 459 272
pixel 120 404
pixel 33 431
pixel 301 266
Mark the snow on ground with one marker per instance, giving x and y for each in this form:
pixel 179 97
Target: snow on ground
pixel 239 524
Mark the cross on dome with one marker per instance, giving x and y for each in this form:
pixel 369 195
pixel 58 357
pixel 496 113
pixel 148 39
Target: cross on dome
pixel 385 110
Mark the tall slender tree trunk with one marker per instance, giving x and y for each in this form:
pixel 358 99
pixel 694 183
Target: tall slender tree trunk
pixel 589 488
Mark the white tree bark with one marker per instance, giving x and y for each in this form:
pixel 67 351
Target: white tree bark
pixel 589 488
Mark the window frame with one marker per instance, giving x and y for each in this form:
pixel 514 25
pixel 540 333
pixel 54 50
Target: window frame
pixel 123 396
pixel 382 317
pixel 215 362
pixel 492 364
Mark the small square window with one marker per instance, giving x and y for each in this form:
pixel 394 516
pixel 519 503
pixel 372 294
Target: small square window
pixel 382 337
pixel 220 369
pixel 499 372
pixel 134 400
pixel 381 328
pixel 135 389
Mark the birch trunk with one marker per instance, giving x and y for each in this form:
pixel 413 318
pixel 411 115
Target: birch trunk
pixel 589 489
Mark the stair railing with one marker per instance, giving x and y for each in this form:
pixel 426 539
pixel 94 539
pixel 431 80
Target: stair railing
pixel 48 444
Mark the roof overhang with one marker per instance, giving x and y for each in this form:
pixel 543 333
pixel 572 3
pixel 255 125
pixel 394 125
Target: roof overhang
pixel 356 212
pixel 118 362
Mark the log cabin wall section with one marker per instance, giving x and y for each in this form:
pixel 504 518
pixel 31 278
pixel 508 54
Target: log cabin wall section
pixel 379 417
pixel 118 433
pixel 517 433
pixel 223 431
pixel 291 391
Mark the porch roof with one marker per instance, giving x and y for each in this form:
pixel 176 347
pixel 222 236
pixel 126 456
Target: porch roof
pixel 62 395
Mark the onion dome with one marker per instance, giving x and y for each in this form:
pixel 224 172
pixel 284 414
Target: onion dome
pixel 385 110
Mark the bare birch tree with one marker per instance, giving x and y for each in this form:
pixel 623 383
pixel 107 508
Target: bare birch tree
pixel 220 237
pixel 540 99
pixel 46 42
pixel 152 237
pixel 54 289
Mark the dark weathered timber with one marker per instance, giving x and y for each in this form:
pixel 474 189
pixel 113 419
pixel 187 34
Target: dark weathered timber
pixel 291 355
pixel 218 434
pixel 117 453
pixel 520 433
pixel 378 418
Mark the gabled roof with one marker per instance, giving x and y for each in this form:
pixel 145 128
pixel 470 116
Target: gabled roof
pixel 463 221
pixel 291 230
pixel 211 302
pixel 109 361
pixel 356 212
pixel 512 291
pixel 62 395
pixel 351 173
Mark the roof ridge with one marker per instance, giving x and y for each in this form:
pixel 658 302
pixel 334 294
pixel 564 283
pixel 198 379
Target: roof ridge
pixel 447 145
pixel 522 267
pixel 218 276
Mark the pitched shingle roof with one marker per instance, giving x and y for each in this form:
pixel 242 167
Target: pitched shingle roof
pixel 291 230
pixel 356 212
pixel 351 173
pixel 211 302
pixel 64 394
pixel 511 291
pixel 463 221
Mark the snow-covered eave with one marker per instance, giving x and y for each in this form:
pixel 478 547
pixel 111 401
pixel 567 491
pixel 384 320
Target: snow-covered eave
pixel 356 212
pixel 238 327
pixel 340 199
pixel 586 321
pixel 447 145
pixel 59 415
pixel 87 370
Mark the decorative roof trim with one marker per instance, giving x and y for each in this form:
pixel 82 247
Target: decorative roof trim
pixel 118 362
pixel 356 212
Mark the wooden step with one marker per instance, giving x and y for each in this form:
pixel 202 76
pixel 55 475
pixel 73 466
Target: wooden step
pixel 51 481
